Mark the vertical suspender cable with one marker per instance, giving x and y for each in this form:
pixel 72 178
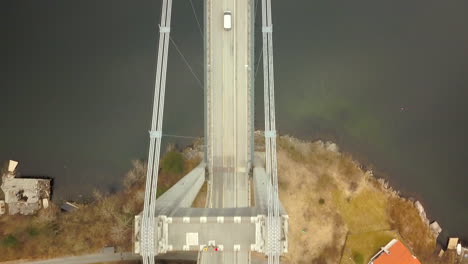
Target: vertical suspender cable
pixel 273 218
pixel 148 248
pixel 275 198
pixel 267 127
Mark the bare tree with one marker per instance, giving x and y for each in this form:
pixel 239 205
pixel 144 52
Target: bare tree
pixel 136 174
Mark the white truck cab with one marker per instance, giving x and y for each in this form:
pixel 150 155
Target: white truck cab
pixel 227 20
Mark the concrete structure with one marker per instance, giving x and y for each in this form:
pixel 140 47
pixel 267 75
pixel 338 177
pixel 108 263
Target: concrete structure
pixel 436 229
pixel 455 251
pixel 181 228
pixel 452 244
pixel 23 195
pixel 231 224
pixel 69 207
pixel 12 166
pixel 108 250
pixel 441 253
pixel 463 256
pixel 179 257
pixel 394 253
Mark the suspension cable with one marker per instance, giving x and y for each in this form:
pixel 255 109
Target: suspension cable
pixel 261 50
pixel 258 64
pixel 256 5
pixel 196 18
pixel 186 63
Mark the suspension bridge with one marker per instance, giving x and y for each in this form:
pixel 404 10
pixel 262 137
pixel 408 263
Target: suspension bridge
pixel 233 225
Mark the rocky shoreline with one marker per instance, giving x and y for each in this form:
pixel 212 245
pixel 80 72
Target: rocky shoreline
pixel 338 210
pixel 403 217
pixel 385 184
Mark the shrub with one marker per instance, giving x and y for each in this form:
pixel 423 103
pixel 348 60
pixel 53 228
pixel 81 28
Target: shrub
pixel 173 162
pixel 136 175
pixel 32 231
pixel 10 241
pixel 321 201
pixel 358 258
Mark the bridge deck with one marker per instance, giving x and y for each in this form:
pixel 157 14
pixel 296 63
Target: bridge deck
pixel 228 103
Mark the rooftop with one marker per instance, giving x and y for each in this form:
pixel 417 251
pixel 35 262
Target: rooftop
pixel 395 253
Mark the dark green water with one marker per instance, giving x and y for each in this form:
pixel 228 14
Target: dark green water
pixel 387 81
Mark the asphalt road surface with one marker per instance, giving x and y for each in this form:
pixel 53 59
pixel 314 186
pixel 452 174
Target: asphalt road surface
pixel 225 257
pixel 105 257
pixel 228 82
pixel 86 259
pixel 229 65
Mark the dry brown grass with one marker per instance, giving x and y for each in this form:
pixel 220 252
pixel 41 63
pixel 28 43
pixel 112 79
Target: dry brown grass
pixel 327 196
pixel 107 221
pixel 316 231
pixel 325 193
pixel 365 245
pixel 415 232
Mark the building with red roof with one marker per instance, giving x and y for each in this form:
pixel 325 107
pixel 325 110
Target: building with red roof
pixel 394 253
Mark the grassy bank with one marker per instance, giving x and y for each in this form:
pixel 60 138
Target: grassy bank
pixel 107 221
pixel 338 212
